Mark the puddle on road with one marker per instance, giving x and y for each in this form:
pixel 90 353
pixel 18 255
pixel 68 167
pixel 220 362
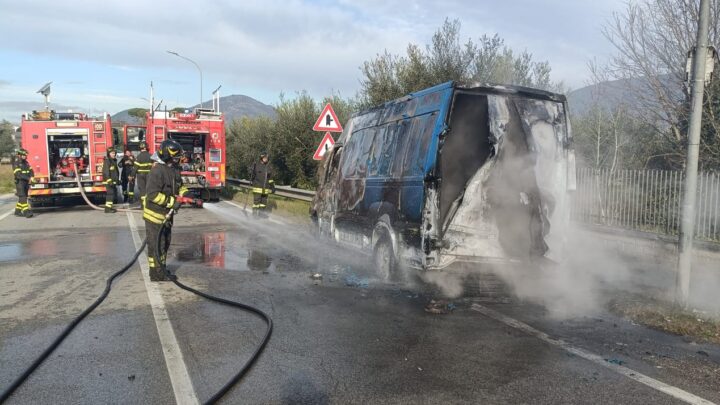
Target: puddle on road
pixel 108 244
pixel 236 250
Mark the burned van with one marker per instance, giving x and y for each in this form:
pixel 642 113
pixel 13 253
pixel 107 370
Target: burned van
pixel 451 174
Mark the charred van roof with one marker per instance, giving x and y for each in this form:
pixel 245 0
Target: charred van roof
pixel 474 87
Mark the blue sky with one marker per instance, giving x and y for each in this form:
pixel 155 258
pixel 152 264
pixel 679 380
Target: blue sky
pixel 101 56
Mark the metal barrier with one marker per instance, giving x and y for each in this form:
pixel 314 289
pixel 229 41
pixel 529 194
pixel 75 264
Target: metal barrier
pixel 645 200
pixel 284 191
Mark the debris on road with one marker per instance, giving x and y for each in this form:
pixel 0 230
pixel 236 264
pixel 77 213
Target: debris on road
pixel 439 307
pixel 615 361
pixel 352 280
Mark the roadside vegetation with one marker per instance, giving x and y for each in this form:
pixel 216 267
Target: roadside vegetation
pixel 661 315
pixel 7 183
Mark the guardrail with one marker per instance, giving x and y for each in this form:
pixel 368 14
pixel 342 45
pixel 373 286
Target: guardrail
pixel 284 191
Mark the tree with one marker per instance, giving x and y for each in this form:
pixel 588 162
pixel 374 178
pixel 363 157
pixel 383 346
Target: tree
pixel 289 139
pixel 139 113
pixel 7 142
pixel 652 39
pixel 446 58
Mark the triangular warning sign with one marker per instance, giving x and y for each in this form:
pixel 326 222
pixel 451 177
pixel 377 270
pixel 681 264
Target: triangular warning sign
pixel 328 121
pixel 325 145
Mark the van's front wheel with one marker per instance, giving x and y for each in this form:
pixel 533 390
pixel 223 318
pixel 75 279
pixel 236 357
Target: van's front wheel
pixel 384 259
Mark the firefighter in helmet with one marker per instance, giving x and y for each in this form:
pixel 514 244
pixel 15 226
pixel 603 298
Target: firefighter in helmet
pixel 143 164
pixel 111 179
pixel 127 178
pixel 164 184
pixel 23 174
pixel 262 184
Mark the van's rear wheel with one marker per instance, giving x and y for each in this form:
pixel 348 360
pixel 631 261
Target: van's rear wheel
pixel 384 259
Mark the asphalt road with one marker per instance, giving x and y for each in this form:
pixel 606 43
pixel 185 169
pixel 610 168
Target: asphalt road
pixel 344 338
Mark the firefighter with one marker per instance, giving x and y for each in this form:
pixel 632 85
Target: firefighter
pixel 127 178
pixel 164 184
pixel 143 164
pixel 23 174
pixel 262 184
pixel 110 179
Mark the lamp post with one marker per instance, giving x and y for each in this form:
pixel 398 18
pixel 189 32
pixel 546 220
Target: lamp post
pixel 198 68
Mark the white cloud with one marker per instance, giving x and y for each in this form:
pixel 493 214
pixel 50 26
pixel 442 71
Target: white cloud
pixel 287 45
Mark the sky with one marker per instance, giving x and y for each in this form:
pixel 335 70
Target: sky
pixel 101 56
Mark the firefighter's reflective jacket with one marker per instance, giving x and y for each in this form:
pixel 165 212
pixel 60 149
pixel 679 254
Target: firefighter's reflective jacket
pixel 110 171
pixel 261 178
pixel 163 184
pixel 143 163
pixel 128 166
pixel 22 171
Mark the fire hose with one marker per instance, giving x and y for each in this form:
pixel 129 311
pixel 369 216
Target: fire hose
pixel 87 200
pixel 108 286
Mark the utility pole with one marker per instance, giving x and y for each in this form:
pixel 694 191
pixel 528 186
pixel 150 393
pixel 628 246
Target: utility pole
pixel 687 224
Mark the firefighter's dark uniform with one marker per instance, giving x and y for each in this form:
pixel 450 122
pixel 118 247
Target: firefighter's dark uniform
pixel 22 172
pixel 163 184
pixel 262 185
pixel 127 178
pixel 143 164
pixel 110 179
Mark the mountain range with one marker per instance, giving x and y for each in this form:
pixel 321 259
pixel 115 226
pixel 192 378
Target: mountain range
pixel 233 107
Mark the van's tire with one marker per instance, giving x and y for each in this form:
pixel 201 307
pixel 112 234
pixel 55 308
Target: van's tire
pixel 384 258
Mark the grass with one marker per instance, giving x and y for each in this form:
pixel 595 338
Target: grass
pixel 7 182
pixel 667 317
pixel 293 210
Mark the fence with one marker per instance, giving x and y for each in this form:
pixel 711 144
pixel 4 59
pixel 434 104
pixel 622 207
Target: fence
pixel 645 200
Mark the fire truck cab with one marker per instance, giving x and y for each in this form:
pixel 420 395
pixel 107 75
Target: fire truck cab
pixel 202 136
pixel 129 137
pixel 57 142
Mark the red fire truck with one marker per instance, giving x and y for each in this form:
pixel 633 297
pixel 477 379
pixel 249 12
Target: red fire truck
pixel 202 136
pixel 56 142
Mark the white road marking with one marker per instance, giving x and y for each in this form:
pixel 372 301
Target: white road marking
pixel 2 216
pixel 627 372
pixel 273 220
pixel 179 377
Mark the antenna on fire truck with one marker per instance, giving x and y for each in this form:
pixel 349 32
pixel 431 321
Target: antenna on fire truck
pixel 216 99
pixel 152 99
pixel 45 91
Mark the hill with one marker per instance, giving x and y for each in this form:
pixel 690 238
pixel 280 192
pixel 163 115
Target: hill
pixel 611 93
pixel 234 107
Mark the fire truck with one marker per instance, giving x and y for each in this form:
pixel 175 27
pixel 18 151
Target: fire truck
pixel 57 142
pixel 202 136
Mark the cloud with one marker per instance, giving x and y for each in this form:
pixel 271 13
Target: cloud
pixel 273 46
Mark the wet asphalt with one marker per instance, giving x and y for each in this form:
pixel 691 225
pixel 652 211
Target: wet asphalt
pixel 342 337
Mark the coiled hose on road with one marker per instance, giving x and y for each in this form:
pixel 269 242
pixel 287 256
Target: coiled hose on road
pixel 108 286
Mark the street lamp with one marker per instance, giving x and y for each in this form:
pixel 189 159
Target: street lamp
pixel 198 68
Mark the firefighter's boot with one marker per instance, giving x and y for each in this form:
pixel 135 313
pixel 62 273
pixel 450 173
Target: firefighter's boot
pixel 28 214
pixel 109 210
pixel 18 212
pixel 157 274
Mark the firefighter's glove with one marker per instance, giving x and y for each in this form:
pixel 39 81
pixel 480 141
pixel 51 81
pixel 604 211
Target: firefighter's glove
pixel 272 186
pixel 176 205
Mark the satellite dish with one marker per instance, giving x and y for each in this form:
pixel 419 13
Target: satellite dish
pixel 45 90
